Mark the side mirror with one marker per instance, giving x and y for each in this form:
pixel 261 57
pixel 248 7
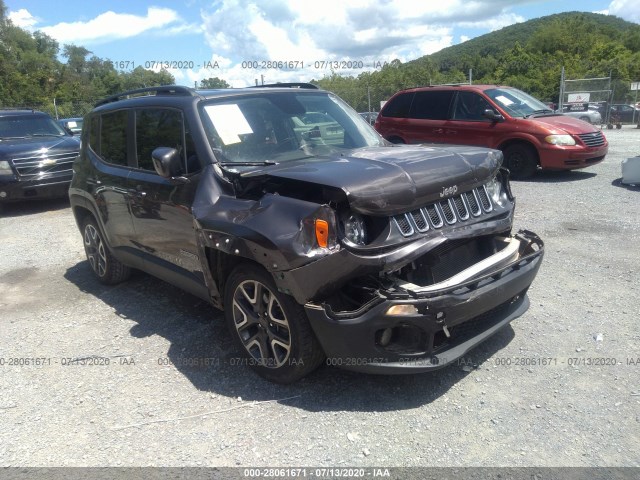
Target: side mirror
pixel 167 162
pixel 492 115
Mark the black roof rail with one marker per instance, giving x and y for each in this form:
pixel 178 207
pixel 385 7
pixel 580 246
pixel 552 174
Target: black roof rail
pixel 177 90
pixel 288 85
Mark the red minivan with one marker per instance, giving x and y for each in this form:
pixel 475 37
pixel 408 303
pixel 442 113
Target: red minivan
pixel 529 134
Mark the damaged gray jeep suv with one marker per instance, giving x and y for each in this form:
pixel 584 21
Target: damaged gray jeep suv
pixel 316 237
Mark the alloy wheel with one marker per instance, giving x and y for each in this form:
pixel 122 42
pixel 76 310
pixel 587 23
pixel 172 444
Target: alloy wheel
pixel 261 324
pixel 94 247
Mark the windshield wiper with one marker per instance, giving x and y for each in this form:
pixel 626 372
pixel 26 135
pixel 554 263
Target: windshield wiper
pixel 228 163
pixel 538 112
pixel 45 135
pixel 248 164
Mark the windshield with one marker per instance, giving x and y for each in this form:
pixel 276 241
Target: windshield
pixel 18 126
pixel 73 124
pixel 516 102
pixel 277 127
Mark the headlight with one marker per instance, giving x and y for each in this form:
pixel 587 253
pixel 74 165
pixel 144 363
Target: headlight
pixel 560 140
pixel 5 168
pixel 354 229
pixel 494 189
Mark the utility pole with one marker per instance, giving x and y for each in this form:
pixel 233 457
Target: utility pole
pixel 561 99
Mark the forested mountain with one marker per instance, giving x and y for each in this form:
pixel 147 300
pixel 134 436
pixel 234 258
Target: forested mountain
pixel 527 55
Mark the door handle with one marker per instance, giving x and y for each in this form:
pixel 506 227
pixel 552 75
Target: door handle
pixel 438 130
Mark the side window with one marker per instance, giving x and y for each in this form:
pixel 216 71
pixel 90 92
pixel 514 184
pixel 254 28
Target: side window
pixel 163 127
pixel 157 127
pixel 113 137
pixel 470 106
pixel 399 106
pixel 432 105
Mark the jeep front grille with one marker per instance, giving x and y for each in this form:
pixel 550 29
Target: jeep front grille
pixel 43 164
pixel 404 224
pixel 445 208
pixel 485 202
pixel 450 211
pixel 434 216
pixel 472 202
pixel 461 208
pixel 595 139
pixel 420 221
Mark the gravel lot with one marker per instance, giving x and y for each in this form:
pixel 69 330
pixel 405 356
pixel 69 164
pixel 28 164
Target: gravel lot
pixel 542 392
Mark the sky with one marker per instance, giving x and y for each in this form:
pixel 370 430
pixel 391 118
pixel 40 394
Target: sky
pixel 244 41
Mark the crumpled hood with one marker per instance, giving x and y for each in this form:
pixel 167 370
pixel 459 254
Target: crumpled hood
pixel 394 179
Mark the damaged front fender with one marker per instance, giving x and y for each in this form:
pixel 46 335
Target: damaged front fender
pixel 276 232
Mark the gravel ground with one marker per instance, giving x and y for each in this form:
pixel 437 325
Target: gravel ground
pixel 536 394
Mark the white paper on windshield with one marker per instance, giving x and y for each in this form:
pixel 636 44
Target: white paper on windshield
pixel 504 100
pixel 72 124
pixel 228 121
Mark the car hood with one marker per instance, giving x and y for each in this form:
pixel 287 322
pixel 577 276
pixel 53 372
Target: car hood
pixel 562 124
pixel 21 147
pixel 392 179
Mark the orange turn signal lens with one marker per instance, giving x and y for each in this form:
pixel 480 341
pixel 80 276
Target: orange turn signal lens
pixel 322 233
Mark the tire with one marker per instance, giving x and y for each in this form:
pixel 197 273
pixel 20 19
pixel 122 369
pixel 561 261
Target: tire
pixel 396 140
pixel 103 264
pixel 521 160
pixel 270 329
pixel 585 119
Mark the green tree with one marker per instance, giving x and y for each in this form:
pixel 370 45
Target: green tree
pixel 76 58
pixel 214 83
pixel 141 78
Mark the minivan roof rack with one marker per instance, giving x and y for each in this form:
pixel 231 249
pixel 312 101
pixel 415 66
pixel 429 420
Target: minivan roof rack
pixel 288 85
pixel 177 90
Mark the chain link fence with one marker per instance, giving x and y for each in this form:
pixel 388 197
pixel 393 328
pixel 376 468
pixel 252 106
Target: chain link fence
pixel 613 98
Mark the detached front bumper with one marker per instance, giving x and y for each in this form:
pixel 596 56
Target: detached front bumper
pixel 437 325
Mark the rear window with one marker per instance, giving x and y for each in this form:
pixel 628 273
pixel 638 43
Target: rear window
pixel 399 106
